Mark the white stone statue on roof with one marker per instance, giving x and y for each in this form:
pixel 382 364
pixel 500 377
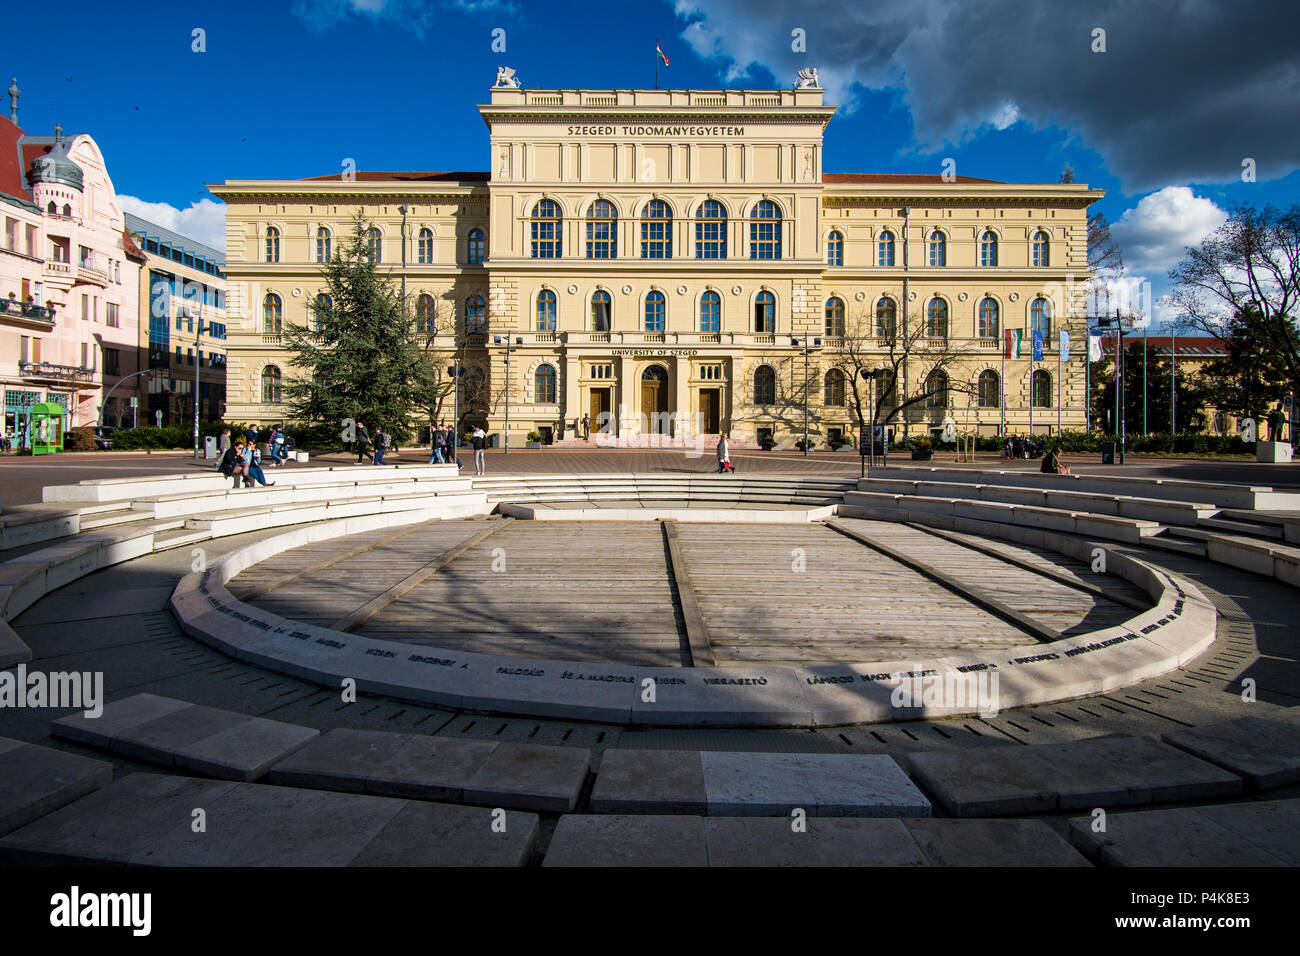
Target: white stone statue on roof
pixel 807 79
pixel 506 79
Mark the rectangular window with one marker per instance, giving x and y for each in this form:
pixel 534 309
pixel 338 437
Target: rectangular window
pixel 602 371
pixel 85 357
pixel 36 350
pixel 85 307
pixel 711 372
pixel 24 346
pixel 11 234
pixel 112 317
pixel 31 240
pixel 112 362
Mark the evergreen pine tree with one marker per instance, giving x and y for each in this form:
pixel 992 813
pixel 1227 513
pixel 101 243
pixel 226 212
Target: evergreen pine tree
pixel 358 356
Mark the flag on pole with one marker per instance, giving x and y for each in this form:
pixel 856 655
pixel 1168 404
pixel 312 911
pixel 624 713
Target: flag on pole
pixel 1065 346
pixel 1094 348
pixel 1038 345
pixel 663 56
pixel 1011 348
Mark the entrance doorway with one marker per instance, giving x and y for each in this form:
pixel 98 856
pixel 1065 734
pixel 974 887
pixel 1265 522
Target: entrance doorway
pixel 710 408
pixel 600 412
pixel 654 401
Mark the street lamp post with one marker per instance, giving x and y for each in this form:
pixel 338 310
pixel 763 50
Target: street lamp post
pixel 1119 378
pixel 816 343
pixel 500 340
pixel 403 209
pixel 199 328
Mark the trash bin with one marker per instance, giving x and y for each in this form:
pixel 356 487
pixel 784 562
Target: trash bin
pixel 1108 453
pixel 210 446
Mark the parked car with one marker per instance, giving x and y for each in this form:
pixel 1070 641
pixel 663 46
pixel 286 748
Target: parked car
pixel 104 436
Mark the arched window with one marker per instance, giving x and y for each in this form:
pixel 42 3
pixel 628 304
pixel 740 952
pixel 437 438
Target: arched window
pixel 475 247
pixel 936 319
pixel 1041 388
pixel 272 244
pixel 375 244
pixel 601 309
pixel 989 389
pixel 1040 319
pixel 475 315
pixel 938 249
pixel 886 317
pixel 765 231
pixel 52 209
pixel 835 317
pixel 988 248
pixel 272 314
pixel 764 385
pixel 319 314
pixel 546 230
pixel 711 231
pixel 656 230
pixel 710 312
pixel 426 315
pixel 885 249
pixel 602 228
pixel 323 243
pixel 936 390
pixel 544 385
pixel 67 210
pixel 765 312
pixel 835 248
pixel 424 247
pixel 834 388
pixel 654 311
pixel 546 311
pixel 988 318
pixel 1042 250
pixel 270 385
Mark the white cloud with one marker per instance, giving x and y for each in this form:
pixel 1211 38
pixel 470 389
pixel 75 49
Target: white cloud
pixel 1156 233
pixel 204 221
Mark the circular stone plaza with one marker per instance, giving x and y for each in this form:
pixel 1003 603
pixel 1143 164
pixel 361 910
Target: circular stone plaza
pixel 614 658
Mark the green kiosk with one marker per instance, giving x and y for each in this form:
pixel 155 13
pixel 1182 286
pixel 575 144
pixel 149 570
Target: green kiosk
pixel 46 424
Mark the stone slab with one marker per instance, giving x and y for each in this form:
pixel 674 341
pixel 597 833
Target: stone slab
pixel 36 780
pixel 119 717
pixel 245 751
pixel 1097 772
pixel 436 834
pixel 530 776
pixel 772 841
pixel 1263 750
pixel 1240 834
pixel 441 768
pixel 649 781
pixel 341 759
pixel 112 824
pixel 774 784
pixel 992 843
pixel 13 649
pixel 628 840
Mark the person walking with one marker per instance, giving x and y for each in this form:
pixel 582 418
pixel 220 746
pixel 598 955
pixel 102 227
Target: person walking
pixel 724 455
pixel 363 442
pixel 479 440
pixel 223 446
pixel 438 438
pixel 586 427
pixel 381 446
pixel 451 447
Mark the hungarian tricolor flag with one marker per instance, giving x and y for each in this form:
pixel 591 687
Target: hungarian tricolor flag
pixel 1012 348
pixel 662 55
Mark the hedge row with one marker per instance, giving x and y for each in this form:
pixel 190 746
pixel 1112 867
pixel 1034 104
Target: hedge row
pixel 306 437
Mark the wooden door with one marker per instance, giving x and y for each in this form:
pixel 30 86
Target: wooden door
pixel 709 411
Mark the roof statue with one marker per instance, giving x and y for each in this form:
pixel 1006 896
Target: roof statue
pixel 807 79
pixel 506 79
pixel 14 93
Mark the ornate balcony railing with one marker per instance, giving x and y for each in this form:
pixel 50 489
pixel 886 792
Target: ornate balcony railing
pixel 62 373
pixel 27 310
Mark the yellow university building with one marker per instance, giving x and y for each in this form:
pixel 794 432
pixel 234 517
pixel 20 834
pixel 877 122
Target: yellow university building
pixel 663 265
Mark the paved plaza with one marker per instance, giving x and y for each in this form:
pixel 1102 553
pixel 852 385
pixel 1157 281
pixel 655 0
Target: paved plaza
pixel 401 653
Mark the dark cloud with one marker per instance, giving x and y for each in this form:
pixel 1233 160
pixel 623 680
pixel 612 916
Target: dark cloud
pixel 1186 90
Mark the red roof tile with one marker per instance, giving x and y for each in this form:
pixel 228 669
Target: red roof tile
pixel 11 160
pixel 132 250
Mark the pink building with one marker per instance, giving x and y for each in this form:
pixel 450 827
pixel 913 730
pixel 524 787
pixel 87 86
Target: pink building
pixel 69 280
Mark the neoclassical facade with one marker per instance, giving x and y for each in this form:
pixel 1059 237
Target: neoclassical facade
pixel 678 263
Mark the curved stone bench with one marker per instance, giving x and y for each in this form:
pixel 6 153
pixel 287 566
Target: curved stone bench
pixel 1177 628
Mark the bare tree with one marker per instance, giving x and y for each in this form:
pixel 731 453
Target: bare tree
pixel 1244 281
pixel 874 342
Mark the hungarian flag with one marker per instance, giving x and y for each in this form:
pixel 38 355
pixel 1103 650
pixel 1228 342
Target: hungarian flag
pixel 1012 348
pixel 662 55
pixel 1065 346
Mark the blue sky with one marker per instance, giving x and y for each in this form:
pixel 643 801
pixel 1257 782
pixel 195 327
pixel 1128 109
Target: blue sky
pixel 1010 91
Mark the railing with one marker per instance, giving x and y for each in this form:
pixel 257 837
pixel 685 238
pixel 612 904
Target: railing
pixel 476 338
pixel 86 271
pixel 832 341
pixel 58 265
pixel 545 337
pixel 652 337
pixel 271 338
pixel 597 337
pixel 28 310
pixel 986 343
pixel 764 339
pixel 710 338
pixel 64 373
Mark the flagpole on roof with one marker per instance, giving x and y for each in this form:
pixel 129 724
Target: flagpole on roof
pixel 656 63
